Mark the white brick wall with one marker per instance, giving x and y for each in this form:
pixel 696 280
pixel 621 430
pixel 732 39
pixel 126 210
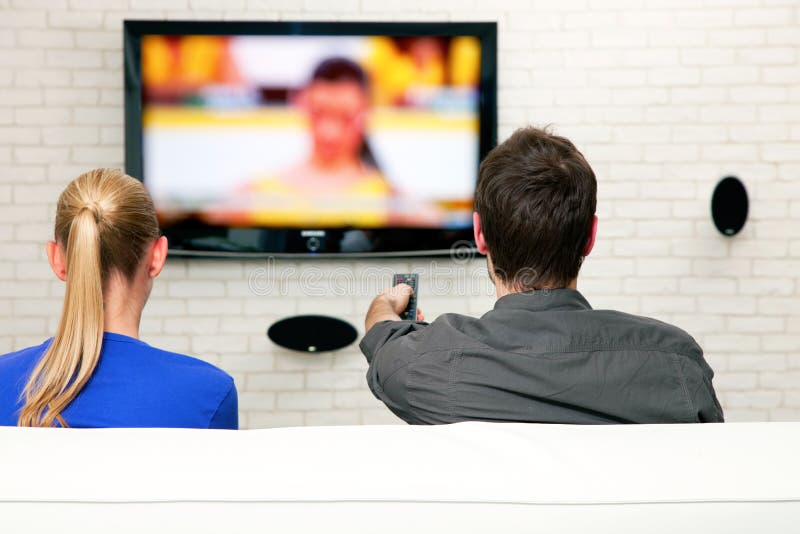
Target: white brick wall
pixel 664 97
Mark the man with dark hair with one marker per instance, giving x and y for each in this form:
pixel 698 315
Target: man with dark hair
pixel 542 354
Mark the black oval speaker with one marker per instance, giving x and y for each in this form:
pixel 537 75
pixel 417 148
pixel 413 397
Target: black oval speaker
pixel 312 333
pixel 729 206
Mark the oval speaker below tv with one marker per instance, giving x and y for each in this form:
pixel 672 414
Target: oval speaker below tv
pixel 312 333
pixel 729 205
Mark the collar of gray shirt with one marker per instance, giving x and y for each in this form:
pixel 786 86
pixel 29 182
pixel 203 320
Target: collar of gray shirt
pixel 544 299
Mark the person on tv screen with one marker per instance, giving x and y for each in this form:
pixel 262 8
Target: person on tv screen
pixel 336 102
pixel 95 372
pixel 339 181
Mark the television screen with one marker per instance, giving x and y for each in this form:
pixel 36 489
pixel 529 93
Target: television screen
pixel 357 137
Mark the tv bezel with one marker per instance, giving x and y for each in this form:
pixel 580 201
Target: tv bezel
pixel 133 30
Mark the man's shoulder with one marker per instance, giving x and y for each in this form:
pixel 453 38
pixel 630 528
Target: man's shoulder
pixel 553 331
pixel 578 330
pixel 638 331
pixel 455 330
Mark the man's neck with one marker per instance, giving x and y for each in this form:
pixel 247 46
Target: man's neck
pixel 340 163
pixel 502 290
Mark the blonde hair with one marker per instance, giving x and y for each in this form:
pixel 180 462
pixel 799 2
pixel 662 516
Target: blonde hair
pixel 105 220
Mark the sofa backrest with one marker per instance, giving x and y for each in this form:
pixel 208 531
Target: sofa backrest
pixel 467 477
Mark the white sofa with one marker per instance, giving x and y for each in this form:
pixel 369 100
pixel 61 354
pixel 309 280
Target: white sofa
pixel 468 477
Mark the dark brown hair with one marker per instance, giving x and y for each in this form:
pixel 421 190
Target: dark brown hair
pixel 340 69
pixel 536 198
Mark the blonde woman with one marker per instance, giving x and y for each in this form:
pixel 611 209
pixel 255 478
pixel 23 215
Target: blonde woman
pixel 95 372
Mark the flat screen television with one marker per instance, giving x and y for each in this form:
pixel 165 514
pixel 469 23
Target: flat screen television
pixel 310 138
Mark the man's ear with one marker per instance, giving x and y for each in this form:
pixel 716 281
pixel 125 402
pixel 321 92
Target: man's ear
pixel 57 259
pixel 477 229
pixel 158 256
pixel 592 237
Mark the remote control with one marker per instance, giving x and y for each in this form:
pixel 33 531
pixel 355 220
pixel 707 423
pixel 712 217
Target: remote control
pixel 410 313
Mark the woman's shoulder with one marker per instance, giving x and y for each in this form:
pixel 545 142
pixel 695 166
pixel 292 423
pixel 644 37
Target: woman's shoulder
pixel 23 358
pixel 193 378
pixel 15 368
pixel 167 363
pixel 186 363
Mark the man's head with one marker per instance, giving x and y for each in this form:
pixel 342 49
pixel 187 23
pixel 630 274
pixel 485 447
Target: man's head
pixel 336 100
pixel 535 206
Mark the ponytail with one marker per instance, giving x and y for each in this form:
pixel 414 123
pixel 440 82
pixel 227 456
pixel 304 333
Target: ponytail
pixel 97 204
pixel 72 356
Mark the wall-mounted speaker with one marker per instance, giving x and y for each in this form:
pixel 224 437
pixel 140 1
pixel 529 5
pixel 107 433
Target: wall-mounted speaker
pixel 312 333
pixel 729 206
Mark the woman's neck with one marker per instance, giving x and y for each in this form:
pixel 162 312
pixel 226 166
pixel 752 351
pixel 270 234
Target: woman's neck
pixel 122 307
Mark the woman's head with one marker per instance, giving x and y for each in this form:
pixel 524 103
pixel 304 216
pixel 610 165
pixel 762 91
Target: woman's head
pixel 112 208
pixel 106 233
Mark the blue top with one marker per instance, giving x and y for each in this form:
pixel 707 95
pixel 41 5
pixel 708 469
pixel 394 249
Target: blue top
pixel 133 385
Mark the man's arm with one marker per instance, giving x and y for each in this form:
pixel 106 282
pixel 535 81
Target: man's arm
pixel 389 349
pixel 698 377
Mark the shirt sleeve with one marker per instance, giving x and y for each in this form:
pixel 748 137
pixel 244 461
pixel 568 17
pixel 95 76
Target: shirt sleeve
pixel 227 414
pixel 390 346
pixel 699 375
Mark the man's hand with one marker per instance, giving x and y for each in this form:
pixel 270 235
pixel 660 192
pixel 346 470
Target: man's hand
pixel 398 297
pixel 388 305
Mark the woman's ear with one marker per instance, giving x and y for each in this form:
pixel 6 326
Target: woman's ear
pixel 158 256
pixel 592 236
pixel 477 229
pixel 57 259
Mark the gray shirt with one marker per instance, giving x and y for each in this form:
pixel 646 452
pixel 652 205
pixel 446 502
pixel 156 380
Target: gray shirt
pixel 544 356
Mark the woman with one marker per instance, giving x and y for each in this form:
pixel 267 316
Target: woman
pixel 95 372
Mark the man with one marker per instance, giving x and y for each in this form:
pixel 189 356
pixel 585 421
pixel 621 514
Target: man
pixel 542 354
pixel 338 183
